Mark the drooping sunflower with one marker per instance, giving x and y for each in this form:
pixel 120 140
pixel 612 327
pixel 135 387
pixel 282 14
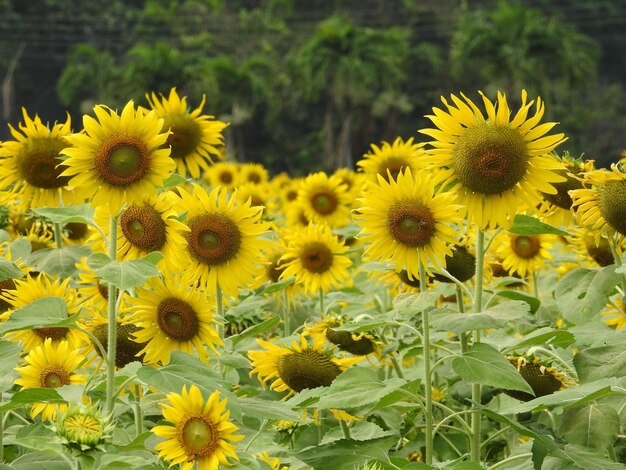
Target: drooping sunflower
pixel 118 158
pixel 324 199
pixel 543 379
pixel 222 174
pixel 389 160
pixel 359 344
pixel 50 365
pixel 200 432
pixel 407 222
pixel 601 205
pixel 30 163
pixel 195 138
pixel 224 241
pixel 316 258
pixel 497 164
pixel 590 246
pixel 524 254
pixel 127 349
pixel 297 367
pixel 172 314
pixel 34 288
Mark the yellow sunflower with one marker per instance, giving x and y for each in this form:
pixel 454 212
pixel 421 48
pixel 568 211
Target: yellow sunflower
pixel 224 241
pixel 50 365
pixel 30 163
pixel 252 172
pixel 354 182
pixel 118 158
pixel 34 288
pixel 289 191
pixel 200 432
pixel 222 174
pixel 389 160
pixel 297 367
pixel 173 314
pixel 273 462
pixel 89 289
pixel 601 205
pixel 196 139
pixel 324 199
pixel 407 223
pixel 590 245
pixel 359 344
pixel 543 379
pixel 494 165
pixel 260 195
pixel 615 315
pixel 316 258
pixel 524 254
pixel 295 217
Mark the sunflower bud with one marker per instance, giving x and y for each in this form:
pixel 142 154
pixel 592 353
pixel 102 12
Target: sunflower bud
pixel 83 427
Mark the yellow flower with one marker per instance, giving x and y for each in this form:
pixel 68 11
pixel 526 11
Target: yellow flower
pixel 222 174
pixel 118 159
pixel 195 138
pixel 200 432
pixel 615 316
pixel 389 160
pixel 544 380
pixel 494 165
pixel 524 254
pixel 324 199
pixel 251 172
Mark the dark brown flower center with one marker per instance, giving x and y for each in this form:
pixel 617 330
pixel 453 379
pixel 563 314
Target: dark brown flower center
pixel 76 230
pixel 411 223
pixel 56 334
pixel 612 204
pixel 127 348
pixel 122 160
pixel 525 246
pixel 199 437
pixel 276 268
pixel 177 319
pixel 404 277
pixel 316 257
pixel 490 159
pixel 462 265
pixel 37 162
pixel 53 376
pixel 307 369
pixel 143 227
pixel 185 136
pixel 324 202
pixel 600 253
pixel 344 340
pixel 213 239
pixel 226 177
pixel 393 165
pixel 562 198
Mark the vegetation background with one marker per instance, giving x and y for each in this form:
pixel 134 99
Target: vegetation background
pixel 309 85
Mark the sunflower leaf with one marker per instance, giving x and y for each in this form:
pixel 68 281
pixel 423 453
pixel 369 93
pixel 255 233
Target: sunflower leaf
pixel 174 180
pixel 8 270
pixel 598 363
pixel 594 425
pixel 127 274
pixel 32 395
pixel 46 312
pixel 58 261
pixel 255 330
pixel 63 215
pixel 528 225
pixel 494 317
pixel 541 337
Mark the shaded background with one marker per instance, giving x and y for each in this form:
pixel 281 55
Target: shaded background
pixel 309 85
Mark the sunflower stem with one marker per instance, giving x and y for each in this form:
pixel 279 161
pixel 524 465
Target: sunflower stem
pixel 460 302
pixel 219 307
pixel 138 415
pixel 112 323
pixel 286 313
pixel 345 429
pixel 321 300
pixel 613 243
pixel 513 458
pixel 58 235
pixel 397 367
pixel 428 392
pixel 475 441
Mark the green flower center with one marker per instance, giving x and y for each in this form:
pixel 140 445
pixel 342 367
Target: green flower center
pixel 526 246
pixel 53 376
pixel 392 166
pixel 185 136
pixel 143 227
pixel 199 436
pixel 213 239
pixel 411 223
pixel 177 319
pixel 490 159
pixel 38 163
pixel 82 428
pixel 612 204
pixel 324 203
pixel 122 160
pixel 346 342
pixel 306 369
pixel 316 257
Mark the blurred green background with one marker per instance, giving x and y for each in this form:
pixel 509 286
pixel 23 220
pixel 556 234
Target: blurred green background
pixel 308 85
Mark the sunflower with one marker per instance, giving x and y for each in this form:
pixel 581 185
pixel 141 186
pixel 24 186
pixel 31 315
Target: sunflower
pixel 615 316
pixel 461 264
pixel 222 174
pixel 196 139
pixel 252 172
pixel 494 164
pixel 289 191
pixel 297 367
pixel 260 195
pixel 315 257
pixel 89 289
pixel 224 241
pixel 50 365
pixel 127 349
pixel 144 227
pixel 34 288
pixel 543 379
pixel 118 159
pixel 30 163
pixel 389 160
pixel 296 218
pixel 324 199
pixel 200 432
pixel 272 462
pixel 602 206
pixel 359 344
pixel 591 245
pixel 172 314
pixel 407 223
pixel 354 182
pixel 524 254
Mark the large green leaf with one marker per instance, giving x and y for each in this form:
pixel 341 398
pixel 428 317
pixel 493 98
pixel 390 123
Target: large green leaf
pixel 589 459
pixel 533 302
pixel 407 306
pixel 541 337
pixel 125 274
pixel 266 409
pixel 8 270
pixel 28 396
pixel 494 317
pixel 255 330
pixel 483 364
pixel 9 352
pixel 45 312
pixel 359 431
pixel 63 215
pixel 39 460
pixel 593 425
pixel 528 225
pixel 58 261
pixel 346 454
pixel 598 363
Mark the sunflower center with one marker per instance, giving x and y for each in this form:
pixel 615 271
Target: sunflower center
pixel 199 436
pixel 411 223
pixel 122 160
pixel 177 319
pixel 254 177
pixel 562 198
pixel 38 160
pixel 275 269
pixel 525 246
pixel 76 230
pixel 7 284
pixel 346 342
pixel 226 177
pixel 462 265
pixel 393 166
pixel 213 239
pixel 53 376
pixel 404 277
pixel 307 369
pixel 143 227
pixel 324 203
pixel 185 134
pixel 316 257
pixel 490 159
pixel 55 333
pixel 612 204
pixel 600 253
pixel 83 428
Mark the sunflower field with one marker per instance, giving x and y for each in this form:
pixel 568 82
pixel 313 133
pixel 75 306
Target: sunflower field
pixel 453 304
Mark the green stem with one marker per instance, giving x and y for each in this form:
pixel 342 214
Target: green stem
pixel 138 416
pixel 511 459
pixel 397 367
pixel 475 440
pixel 258 433
pixel 428 392
pixel 345 429
pixel 617 259
pixel 535 286
pixel 286 313
pixel 219 306
pixel 1 431
pixel 460 303
pixel 611 451
pixel 58 235
pixel 112 323
pixel 322 300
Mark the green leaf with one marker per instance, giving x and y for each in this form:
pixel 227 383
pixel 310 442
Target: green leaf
pixel 20 248
pixel 236 361
pixel 592 425
pixel 483 364
pixel 8 270
pixel 407 306
pixel 280 285
pixel 346 454
pixel 589 459
pixel 266 409
pixel 39 460
pixel 63 215
pixel 494 317
pixel 28 396
pixel 528 225
pixel 542 337
pixel 174 180
pixel 9 353
pixel 126 274
pixel 255 330
pixel 45 312
pixel 540 451
pixel 533 302
pixel 598 363
pixel 59 262
pixel 359 431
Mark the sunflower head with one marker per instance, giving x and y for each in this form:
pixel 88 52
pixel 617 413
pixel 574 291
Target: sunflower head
pixel 389 160
pixel 461 264
pixel 543 379
pixel 83 428
pixel 127 350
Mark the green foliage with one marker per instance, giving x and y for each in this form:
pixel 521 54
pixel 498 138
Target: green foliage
pixel 127 274
pixel 45 312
